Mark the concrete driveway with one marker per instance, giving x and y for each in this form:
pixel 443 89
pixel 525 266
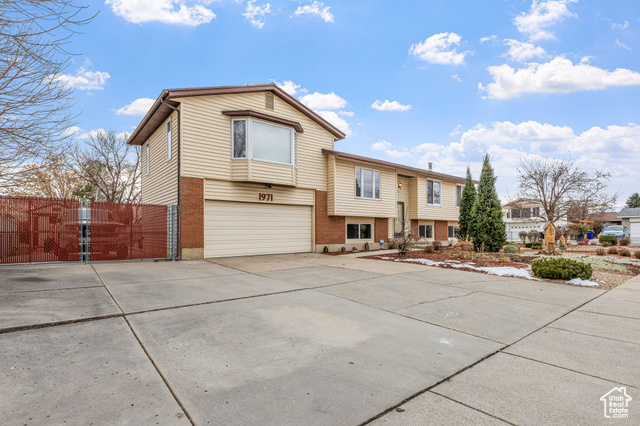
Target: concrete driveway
pixel 309 339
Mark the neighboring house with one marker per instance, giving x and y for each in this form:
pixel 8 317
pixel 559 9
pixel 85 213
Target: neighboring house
pixel 631 219
pixel 610 218
pixel 521 216
pixel 259 175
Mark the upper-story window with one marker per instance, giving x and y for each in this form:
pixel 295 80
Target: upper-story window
pixel 459 189
pixel 168 140
pixel 262 141
pixel 434 188
pixel 146 156
pixel 367 183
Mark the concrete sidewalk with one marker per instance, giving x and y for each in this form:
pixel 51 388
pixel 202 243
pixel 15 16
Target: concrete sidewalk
pixel 310 339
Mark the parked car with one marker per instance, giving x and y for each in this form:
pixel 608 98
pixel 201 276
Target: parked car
pixel 617 231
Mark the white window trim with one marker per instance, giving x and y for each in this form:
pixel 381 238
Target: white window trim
pixel 426 224
pixel 249 141
pixel 434 204
pixel 461 191
pixel 452 226
pixel 355 174
pixel 146 156
pixel 169 137
pixel 358 239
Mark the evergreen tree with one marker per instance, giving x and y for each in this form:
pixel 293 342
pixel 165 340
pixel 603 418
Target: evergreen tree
pixel 466 205
pixel 487 226
pixel 634 200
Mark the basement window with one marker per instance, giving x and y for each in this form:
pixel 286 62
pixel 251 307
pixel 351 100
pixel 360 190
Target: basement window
pixel 453 231
pixel 425 231
pixel 263 141
pixel 359 231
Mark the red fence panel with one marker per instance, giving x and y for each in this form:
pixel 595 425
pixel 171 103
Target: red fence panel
pixel 128 231
pixel 34 229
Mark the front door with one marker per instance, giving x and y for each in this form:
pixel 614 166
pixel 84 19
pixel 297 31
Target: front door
pixel 399 221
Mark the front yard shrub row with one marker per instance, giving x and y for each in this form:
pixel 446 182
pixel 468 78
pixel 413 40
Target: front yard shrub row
pixel 511 248
pixel 611 239
pixel 612 250
pixel 624 241
pixel 561 268
pixel 624 252
pixel 535 246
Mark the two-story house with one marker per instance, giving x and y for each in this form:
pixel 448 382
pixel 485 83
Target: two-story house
pixel 254 171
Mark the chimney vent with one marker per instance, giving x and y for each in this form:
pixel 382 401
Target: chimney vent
pixel 430 165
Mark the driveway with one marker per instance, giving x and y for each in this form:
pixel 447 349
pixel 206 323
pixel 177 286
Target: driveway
pixel 309 339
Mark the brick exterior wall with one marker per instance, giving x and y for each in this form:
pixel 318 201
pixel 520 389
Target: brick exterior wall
pixel 381 227
pixel 440 230
pixel 192 215
pixel 415 231
pixel 329 229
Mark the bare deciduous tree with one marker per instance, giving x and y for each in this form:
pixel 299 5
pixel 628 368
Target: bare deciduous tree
pixel 34 107
pixel 53 178
pixel 561 187
pixel 109 166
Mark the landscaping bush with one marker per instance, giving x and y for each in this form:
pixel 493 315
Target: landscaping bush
pixel 637 254
pixel 601 251
pixel 606 244
pixel 533 235
pixel 428 249
pixel 523 236
pixel 504 260
pixel 612 250
pixel 436 245
pixel 511 248
pixel 624 241
pixel 611 239
pixel 624 252
pixel 561 268
pixel 535 246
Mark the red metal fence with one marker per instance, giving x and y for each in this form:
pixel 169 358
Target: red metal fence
pixel 36 229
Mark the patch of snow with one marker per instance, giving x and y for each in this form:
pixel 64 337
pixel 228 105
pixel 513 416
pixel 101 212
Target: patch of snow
pixel 580 281
pixel 501 271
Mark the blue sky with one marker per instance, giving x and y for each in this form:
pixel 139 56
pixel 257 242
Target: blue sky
pixel 411 82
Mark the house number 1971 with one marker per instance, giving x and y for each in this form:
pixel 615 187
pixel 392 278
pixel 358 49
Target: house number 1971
pixel 265 197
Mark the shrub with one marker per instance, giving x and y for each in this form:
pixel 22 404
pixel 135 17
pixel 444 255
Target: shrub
pixel 609 239
pixel 465 244
pixel 601 252
pixel 428 249
pixel 523 236
pixel 535 246
pixel 511 248
pixel 561 268
pixel 606 244
pixel 504 260
pixel 612 250
pixel 637 254
pixel 624 252
pixel 436 245
pixel 624 241
pixel 533 235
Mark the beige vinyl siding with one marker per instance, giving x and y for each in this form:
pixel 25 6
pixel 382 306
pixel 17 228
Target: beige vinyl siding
pixel 413 196
pixel 344 192
pixel 249 192
pixel 207 137
pixel 160 186
pixel 268 172
pixel 447 210
pixel 391 232
pixel 354 219
pixel 331 181
pixel 242 229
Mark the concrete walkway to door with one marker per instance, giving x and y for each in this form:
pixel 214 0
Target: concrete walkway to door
pixel 308 339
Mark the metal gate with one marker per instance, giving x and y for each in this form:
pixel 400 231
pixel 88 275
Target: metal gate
pixel 34 230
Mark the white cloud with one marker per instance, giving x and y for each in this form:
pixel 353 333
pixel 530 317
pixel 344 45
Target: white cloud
pixel 166 11
pixel 390 149
pixel 70 131
pixel 339 122
pixel 139 106
pixel 439 49
pixel 347 113
pixel 488 38
pixel 622 26
pixel 315 9
pixel 390 106
pixel 541 16
pixel 83 79
pixel 559 75
pixel 456 77
pixel 622 45
pixel 323 101
pixel 92 134
pixel 255 14
pixel 522 51
pixel 290 87
pixel 456 131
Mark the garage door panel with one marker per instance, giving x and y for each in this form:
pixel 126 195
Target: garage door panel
pixel 240 229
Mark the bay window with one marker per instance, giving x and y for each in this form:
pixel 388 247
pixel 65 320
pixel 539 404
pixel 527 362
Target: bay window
pixel 367 183
pixel 263 141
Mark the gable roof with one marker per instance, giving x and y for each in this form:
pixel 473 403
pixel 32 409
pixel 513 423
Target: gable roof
pixel 431 173
pixel 160 111
pixel 629 212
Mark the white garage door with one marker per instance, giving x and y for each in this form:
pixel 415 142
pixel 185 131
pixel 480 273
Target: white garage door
pixel 244 229
pixel 634 229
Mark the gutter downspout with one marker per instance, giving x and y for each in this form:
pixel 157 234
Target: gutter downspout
pixel 179 221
